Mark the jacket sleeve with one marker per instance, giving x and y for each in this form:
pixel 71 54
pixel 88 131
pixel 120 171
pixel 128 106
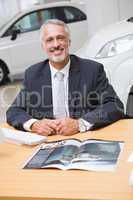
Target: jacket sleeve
pixel 108 108
pixel 17 114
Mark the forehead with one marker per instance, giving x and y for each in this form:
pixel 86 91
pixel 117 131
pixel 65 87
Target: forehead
pixel 53 30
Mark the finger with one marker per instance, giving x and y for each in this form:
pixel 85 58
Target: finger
pixel 45 125
pixel 52 125
pixel 48 130
pixel 44 130
pixel 60 130
pixel 59 127
pixel 57 122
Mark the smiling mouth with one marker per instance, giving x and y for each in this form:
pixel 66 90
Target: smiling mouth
pixel 56 50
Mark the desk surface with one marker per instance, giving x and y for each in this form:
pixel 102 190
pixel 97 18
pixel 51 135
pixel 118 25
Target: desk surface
pixel 49 184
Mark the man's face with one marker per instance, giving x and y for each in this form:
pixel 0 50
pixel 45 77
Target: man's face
pixel 56 43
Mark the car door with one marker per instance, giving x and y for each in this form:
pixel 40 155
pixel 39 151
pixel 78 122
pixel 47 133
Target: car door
pixel 25 49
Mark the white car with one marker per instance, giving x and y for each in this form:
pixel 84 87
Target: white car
pixel 113 47
pixel 19 37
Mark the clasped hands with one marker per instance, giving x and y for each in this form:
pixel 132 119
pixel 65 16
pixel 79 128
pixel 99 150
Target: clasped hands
pixel 64 126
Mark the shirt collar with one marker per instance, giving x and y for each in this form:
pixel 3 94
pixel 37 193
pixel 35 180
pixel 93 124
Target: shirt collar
pixel 65 69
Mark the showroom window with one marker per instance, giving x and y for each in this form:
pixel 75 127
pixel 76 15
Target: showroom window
pixel 73 15
pixel 29 22
pixel 50 13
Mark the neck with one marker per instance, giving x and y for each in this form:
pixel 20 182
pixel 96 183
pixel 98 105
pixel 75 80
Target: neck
pixel 59 65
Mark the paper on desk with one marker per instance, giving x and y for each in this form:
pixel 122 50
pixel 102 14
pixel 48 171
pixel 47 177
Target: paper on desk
pixel 22 137
pixel 130 158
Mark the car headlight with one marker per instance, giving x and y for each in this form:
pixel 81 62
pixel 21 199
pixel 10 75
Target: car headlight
pixel 116 47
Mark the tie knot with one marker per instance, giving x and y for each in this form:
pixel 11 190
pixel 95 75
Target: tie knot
pixel 60 76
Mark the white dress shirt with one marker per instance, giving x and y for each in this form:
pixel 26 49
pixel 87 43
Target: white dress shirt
pixel 65 71
pixel 53 70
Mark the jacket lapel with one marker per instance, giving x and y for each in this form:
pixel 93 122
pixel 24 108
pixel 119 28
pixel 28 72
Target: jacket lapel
pixel 47 90
pixel 74 87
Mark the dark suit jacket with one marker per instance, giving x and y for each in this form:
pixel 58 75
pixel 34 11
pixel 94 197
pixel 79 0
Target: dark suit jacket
pixel 90 95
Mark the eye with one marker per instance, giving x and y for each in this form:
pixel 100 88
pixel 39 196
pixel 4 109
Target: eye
pixel 61 37
pixel 49 40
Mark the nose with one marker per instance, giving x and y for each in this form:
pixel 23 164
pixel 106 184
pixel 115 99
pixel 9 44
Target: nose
pixel 56 43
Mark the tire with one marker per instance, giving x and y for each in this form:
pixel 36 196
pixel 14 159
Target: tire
pixel 3 74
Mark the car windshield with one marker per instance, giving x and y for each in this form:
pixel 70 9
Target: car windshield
pixel 6 21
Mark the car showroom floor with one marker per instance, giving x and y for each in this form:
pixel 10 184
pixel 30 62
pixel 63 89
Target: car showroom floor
pixel 7 95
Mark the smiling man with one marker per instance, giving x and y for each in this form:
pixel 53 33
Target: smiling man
pixel 64 94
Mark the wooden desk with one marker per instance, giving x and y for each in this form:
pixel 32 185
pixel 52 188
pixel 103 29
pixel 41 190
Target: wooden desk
pixel 16 183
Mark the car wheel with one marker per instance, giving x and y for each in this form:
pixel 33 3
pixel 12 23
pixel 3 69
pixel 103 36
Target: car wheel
pixel 3 74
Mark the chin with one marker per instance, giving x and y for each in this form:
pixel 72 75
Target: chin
pixel 58 58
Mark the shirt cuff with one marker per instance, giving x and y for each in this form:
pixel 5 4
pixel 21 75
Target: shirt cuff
pixel 87 124
pixel 27 124
pixel 84 125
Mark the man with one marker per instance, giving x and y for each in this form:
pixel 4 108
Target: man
pixel 64 94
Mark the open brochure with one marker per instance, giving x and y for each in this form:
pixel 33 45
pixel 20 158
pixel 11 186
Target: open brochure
pixel 91 154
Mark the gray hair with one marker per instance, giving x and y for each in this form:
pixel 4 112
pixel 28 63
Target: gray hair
pixel 56 22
